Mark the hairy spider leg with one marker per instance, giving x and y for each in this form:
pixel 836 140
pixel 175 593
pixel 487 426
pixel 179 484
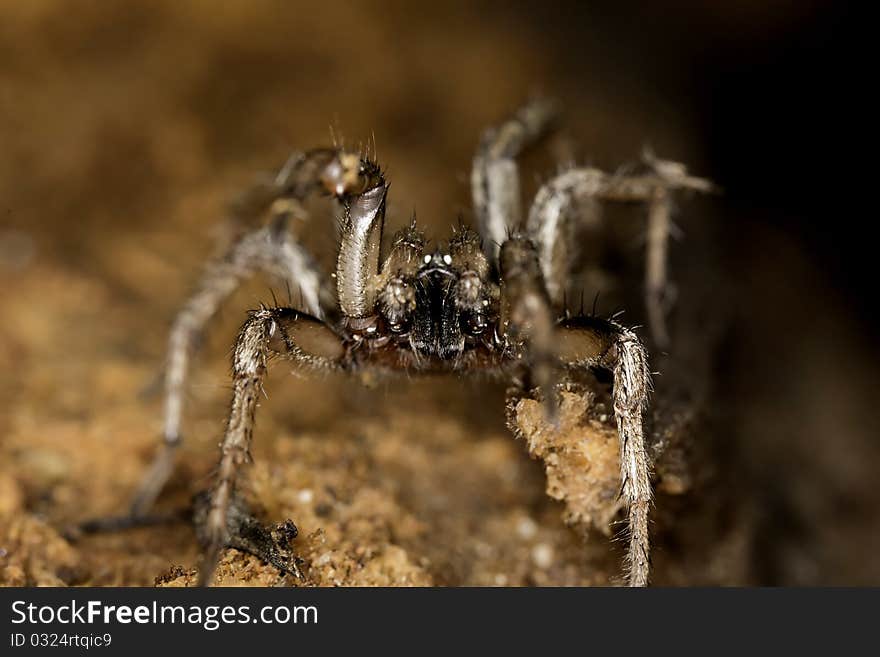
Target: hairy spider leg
pixel 555 207
pixel 268 333
pixel 270 249
pixel 494 176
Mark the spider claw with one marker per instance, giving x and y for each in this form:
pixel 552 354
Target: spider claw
pixel 245 533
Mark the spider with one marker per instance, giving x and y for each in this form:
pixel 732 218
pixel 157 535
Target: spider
pixel 487 300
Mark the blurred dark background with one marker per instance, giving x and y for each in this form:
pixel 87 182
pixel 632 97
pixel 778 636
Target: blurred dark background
pixel 124 129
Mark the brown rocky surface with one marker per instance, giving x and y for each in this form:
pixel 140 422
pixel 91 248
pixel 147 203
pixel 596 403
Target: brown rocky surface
pixel 125 132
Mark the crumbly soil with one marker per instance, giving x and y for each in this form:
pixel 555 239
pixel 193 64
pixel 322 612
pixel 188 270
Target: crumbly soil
pixel 405 483
pixel 127 130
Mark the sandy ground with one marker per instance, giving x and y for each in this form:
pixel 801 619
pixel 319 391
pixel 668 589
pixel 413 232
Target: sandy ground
pixel 125 135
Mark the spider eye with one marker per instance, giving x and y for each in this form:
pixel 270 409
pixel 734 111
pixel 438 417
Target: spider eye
pixel 473 323
pixel 398 327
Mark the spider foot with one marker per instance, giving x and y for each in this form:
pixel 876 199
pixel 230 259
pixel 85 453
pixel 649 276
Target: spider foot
pixel 246 533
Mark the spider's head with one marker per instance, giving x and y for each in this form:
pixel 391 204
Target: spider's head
pixel 438 299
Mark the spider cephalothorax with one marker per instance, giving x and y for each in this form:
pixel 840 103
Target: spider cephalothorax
pixel 434 305
pixel 489 299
